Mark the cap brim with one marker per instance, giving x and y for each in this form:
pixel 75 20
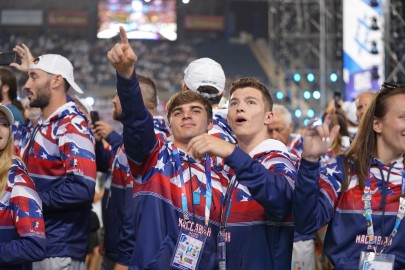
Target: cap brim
pixel 8 114
pixel 75 86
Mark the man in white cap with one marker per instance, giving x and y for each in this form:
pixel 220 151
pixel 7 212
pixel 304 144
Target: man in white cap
pixel 60 158
pixel 207 78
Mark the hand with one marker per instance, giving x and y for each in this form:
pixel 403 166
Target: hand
pixel 208 144
pixel 102 129
pixel 96 136
pixel 25 55
pixel 122 57
pixel 318 139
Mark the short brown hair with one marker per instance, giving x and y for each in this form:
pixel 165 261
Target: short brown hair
pixel 149 92
pixel 256 84
pixel 185 98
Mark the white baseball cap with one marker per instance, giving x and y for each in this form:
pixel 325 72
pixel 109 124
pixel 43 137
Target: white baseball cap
pixel 84 103
pixel 58 65
pixel 7 113
pixel 205 71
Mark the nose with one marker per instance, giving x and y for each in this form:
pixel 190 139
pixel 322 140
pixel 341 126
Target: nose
pixel 187 114
pixel 27 85
pixel 240 109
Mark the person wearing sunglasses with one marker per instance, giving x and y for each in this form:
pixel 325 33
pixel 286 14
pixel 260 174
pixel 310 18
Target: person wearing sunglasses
pixel 359 194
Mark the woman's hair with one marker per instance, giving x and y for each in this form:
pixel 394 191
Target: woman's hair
pixel 6 160
pixel 364 145
pixel 8 78
pixel 338 118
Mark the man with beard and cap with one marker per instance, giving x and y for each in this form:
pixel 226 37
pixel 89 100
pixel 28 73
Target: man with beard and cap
pixel 60 158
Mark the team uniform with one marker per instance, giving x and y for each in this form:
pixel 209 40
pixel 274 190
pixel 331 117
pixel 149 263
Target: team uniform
pixel 159 170
pixel 60 159
pixel 259 232
pixel 118 217
pixel 345 211
pixel 22 230
pixel 220 127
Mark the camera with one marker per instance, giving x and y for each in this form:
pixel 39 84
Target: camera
pixel 94 117
pixel 6 58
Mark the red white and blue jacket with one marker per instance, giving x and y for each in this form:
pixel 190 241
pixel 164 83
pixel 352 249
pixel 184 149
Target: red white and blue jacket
pixel 118 206
pixel 157 189
pixel 220 127
pixel 319 200
pixel 22 230
pixel 60 159
pixel 260 228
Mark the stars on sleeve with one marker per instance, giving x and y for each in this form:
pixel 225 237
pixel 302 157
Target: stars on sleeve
pixel 75 150
pixel 44 155
pixel 331 171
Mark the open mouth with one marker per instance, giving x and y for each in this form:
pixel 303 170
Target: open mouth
pixel 240 120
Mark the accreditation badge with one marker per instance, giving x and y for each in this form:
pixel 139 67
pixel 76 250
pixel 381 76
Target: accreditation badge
pixel 188 250
pixel 376 261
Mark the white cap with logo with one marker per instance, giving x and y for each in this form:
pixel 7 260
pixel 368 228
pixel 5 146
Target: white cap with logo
pixel 7 113
pixel 205 71
pixel 58 65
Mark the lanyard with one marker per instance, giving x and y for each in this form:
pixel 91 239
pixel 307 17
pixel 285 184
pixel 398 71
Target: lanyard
pixel 368 213
pixel 208 192
pixel 227 204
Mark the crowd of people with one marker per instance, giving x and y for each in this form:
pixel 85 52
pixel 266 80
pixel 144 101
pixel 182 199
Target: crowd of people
pixel 214 184
pixel 160 60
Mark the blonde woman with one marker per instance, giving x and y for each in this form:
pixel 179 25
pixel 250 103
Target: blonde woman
pixel 22 230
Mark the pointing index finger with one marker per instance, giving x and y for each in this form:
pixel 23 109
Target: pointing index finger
pixel 123 35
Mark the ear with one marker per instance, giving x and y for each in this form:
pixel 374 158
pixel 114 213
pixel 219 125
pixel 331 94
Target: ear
pixel 210 125
pixel 377 125
pixel 183 87
pixel 268 118
pixel 57 81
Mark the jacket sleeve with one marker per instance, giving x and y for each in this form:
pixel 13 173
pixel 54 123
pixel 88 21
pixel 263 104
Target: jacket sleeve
pixel 272 187
pixel 316 195
pixel 138 132
pixel 127 237
pixel 76 147
pixel 27 216
pixel 104 156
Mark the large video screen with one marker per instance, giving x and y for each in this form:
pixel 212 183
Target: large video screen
pixel 142 19
pixel 363 45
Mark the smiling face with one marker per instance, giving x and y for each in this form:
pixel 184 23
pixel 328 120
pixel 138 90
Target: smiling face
pixel 4 131
pixel 187 121
pixel 390 128
pixel 248 115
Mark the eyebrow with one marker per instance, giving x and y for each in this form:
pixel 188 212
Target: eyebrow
pixel 245 98
pixel 180 108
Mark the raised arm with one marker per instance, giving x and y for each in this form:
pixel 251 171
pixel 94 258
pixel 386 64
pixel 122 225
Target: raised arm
pixel 138 131
pixel 316 188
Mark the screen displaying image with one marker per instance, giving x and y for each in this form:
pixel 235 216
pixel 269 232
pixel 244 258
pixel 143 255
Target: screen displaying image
pixel 142 19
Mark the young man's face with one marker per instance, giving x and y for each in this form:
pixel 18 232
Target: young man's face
pixel 247 114
pixel 189 120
